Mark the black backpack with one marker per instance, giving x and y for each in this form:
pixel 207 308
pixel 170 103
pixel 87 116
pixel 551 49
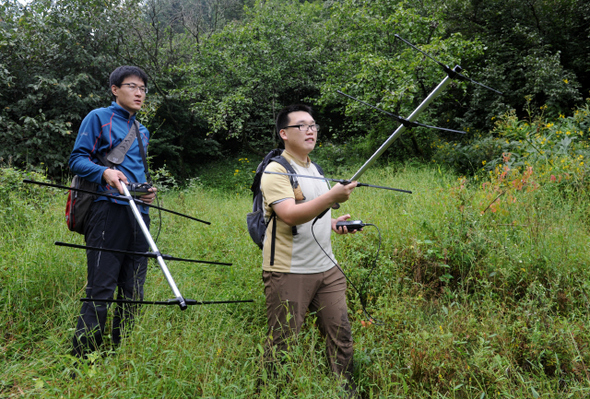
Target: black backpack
pixel 255 219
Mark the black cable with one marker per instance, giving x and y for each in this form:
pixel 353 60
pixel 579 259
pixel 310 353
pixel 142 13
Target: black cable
pixel 160 217
pixel 362 291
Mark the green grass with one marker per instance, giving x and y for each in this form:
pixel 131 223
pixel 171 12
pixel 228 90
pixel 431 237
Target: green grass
pixel 471 303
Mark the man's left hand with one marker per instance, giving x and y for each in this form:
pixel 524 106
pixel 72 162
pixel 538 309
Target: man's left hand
pixel 342 229
pixel 149 198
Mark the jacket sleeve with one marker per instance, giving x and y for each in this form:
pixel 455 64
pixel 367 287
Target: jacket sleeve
pixel 83 157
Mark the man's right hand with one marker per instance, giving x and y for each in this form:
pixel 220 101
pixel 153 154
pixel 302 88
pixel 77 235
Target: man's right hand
pixel 294 214
pixel 340 192
pixel 112 177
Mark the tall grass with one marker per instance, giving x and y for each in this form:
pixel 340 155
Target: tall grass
pixel 475 295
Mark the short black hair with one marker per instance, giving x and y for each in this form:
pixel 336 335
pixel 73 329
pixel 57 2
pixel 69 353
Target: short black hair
pixel 283 116
pixel 118 75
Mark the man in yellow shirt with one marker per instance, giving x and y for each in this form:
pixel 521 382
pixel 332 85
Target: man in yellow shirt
pixel 301 276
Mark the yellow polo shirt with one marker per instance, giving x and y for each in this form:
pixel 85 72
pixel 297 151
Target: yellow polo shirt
pixel 296 253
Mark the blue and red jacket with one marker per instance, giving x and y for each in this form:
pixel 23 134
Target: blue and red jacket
pixel 101 131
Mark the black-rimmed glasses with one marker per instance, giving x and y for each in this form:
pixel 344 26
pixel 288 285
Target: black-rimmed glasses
pixel 303 128
pixel 133 87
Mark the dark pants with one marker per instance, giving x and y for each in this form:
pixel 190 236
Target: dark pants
pixel 110 226
pixel 289 296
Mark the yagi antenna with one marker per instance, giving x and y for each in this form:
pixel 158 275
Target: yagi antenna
pixel 407 123
pixel 397 133
pixel 117 197
pixel 178 299
pixel 453 74
pixel 134 253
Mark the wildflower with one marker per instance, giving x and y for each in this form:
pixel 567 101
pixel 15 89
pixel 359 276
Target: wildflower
pixel 565 81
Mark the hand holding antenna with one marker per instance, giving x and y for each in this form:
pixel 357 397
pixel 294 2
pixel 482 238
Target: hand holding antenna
pixel 115 178
pixel 342 193
pixel 112 178
pixel 453 74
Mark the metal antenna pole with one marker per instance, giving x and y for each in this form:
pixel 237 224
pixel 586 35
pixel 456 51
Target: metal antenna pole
pixel 435 93
pixel 146 233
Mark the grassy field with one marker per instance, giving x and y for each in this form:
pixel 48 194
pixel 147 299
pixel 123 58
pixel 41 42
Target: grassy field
pixel 480 291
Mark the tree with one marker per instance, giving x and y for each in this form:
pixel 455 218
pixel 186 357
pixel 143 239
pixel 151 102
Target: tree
pixel 55 61
pixel 54 64
pixel 245 73
pixel 535 49
pixel 370 63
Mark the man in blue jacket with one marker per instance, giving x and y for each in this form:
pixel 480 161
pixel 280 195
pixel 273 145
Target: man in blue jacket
pixel 111 223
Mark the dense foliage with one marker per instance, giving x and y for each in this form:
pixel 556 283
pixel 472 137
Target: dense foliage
pixel 482 281
pixel 480 289
pixel 220 69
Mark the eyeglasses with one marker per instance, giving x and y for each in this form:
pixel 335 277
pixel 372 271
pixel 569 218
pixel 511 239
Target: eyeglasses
pixel 133 87
pixel 303 128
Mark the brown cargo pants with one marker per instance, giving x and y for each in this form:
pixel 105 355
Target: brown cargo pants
pixel 289 296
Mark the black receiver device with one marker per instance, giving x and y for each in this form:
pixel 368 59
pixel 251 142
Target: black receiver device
pixel 351 225
pixel 138 189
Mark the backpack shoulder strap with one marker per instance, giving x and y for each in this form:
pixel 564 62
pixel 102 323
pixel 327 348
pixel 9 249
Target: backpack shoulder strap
pixel 294 184
pixel 117 154
pixel 319 168
pixel 260 170
pixel 287 165
pixel 142 152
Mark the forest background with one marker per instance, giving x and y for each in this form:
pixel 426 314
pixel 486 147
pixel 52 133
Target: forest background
pixel 221 69
pixel 484 293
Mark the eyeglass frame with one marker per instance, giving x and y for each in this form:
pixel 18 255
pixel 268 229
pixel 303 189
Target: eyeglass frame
pixel 317 127
pixel 142 89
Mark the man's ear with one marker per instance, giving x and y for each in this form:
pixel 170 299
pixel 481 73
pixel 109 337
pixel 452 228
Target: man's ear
pixel 114 90
pixel 283 134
